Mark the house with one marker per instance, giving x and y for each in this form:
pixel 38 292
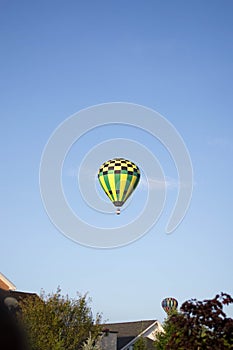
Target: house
pixel 116 336
pixel 122 336
pixel 5 284
pixel 8 294
pixel 11 334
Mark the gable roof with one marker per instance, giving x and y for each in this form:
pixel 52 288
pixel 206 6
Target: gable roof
pixel 15 294
pixel 127 331
pixel 5 283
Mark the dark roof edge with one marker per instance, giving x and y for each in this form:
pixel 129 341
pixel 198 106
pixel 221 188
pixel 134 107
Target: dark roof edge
pixel 127 322
pixel 139 335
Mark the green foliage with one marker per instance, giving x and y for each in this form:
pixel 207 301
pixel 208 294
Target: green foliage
pixel 201 325
pixel 163 338
pixel 56 322
pixel 92 343
pixel 140 344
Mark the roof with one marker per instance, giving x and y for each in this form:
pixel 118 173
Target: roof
pixel 5 283
pixel 15 294
pixel 127 331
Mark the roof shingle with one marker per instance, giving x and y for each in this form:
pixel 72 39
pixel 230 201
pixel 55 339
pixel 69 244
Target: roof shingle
pixel 127 331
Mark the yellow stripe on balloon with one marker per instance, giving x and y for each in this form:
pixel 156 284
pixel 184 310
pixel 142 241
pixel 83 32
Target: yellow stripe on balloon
pixel 123 183
pixel 101 179
pixel 111 179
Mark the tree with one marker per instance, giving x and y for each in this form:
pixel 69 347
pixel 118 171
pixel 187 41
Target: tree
pixel 140 344
pixel 57 322
pixel 92 343
pixel 200 325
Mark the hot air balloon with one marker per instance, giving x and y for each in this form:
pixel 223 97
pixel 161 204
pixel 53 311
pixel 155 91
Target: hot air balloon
pixel 118 177
pixel 169 304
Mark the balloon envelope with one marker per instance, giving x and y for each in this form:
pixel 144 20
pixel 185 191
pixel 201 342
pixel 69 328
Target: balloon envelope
pixel 118 177
pixel 169 304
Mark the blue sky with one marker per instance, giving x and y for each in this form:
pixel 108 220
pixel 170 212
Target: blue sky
pixel 175 57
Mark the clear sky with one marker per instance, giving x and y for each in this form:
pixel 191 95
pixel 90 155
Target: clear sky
pixel 175 57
